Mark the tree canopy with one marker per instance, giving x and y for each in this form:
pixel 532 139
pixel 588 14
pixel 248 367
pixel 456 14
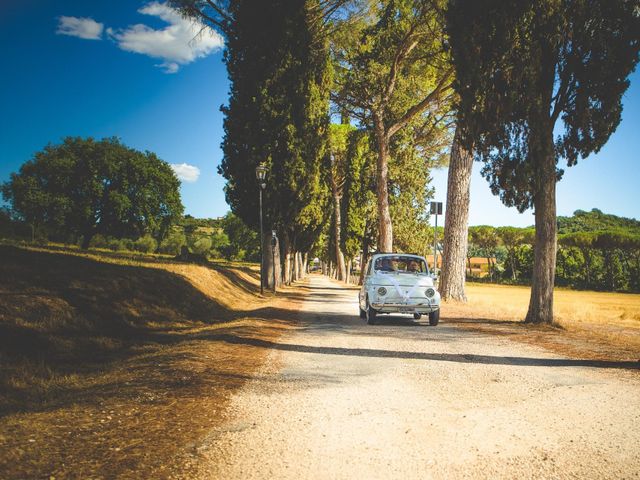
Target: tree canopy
pixel 85 187
pixel 522 65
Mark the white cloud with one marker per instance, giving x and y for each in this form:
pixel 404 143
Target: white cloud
pixel 86 28
pixel 179 43
pixel 169 67
pixel 186 172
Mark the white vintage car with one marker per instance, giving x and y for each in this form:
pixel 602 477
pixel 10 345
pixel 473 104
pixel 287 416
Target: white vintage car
pixel 398 283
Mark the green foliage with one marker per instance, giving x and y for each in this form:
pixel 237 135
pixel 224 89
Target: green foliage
pixel 604 259
pixel 244 243
pixel 277 114
pixel 359 201
pixel 220 245
pixel 512 238
pixel 85 187
pixel 390 61
pixel 595 220
pixel 173 244
pixel 486 239
pixel 409 195
pixel 145 244
pixel 201 246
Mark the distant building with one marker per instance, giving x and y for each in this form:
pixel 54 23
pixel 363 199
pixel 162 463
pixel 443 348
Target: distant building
pixel 476 266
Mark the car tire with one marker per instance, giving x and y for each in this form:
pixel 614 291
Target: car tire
pixel 371 314
pixel 417 316
pixel 363 313
pixel 434 318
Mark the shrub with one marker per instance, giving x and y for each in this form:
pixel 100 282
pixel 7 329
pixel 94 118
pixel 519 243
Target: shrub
pixel 201 246
pixel 114 244
pixel 146 244
pixel 173 243
pixel 98 241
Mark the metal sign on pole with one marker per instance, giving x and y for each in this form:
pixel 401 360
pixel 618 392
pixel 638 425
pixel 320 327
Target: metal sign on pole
pixel 436 209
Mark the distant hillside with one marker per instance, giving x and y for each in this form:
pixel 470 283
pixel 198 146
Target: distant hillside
pixel 595 220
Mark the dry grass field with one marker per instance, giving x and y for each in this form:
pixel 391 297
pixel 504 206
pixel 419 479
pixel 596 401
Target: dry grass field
pixel 117 367
pixel 587 323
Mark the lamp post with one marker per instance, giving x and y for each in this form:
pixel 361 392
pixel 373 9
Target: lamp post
pixel 261 173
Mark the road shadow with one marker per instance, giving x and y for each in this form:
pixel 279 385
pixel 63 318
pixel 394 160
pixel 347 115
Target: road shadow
pixel 438 357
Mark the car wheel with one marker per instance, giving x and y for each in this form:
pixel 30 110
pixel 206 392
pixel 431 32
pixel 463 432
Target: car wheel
pixel 371 314
pixel 417 316
pixel 363 313
pixel 434 318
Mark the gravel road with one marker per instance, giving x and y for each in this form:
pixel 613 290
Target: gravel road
pixel 342 400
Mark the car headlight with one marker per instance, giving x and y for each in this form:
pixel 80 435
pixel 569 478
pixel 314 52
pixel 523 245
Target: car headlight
pixel 382 291
pixel 430 292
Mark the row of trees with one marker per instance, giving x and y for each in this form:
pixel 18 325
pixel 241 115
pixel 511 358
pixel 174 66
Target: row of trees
pixel 598 260
pixel 333 189
pixel 403 75
pixel 413 82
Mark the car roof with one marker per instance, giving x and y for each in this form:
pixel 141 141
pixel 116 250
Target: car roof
pixel 380 255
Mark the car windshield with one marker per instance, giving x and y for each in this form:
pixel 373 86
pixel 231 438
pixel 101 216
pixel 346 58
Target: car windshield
pixel 400 264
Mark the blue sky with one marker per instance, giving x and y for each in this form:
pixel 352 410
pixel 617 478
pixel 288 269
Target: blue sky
pixel 129 69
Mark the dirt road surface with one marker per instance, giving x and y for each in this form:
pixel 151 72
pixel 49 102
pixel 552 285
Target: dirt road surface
pixel 339 399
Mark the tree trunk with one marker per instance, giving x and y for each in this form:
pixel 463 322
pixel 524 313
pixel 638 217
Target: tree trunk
pixel 86 240
pixel 365 255
pixel 296 267
pixel 385 228
pixel 305 264
pixel 287 260
pixel 87 235
pixel 337 224
pixel 544 201
pixel 269 264
pixel 456 223
pixel 348 277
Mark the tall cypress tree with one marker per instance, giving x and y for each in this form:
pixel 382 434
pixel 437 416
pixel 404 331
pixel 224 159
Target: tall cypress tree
pixel 523 65
pixel 276 57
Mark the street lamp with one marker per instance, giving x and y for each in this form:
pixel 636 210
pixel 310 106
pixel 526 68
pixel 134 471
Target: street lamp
pixel 261 174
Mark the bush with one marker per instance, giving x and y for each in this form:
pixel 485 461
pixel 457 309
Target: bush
pixel 98 241
pixel 146 244
pixel 114 244
pixel 173 243
pixel 201 246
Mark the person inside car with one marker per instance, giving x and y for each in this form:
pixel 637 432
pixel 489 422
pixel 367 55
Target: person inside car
pixel 413 266
pixel 386 265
